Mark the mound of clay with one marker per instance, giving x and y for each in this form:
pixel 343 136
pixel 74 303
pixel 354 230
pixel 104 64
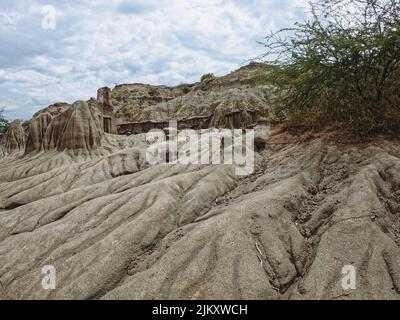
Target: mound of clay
pixel 106 108
pixel 115 228
pixel 77 128
pixel 230 108
pixel 237 100
pixel 131 99
pixel 37 131
pixel 14 139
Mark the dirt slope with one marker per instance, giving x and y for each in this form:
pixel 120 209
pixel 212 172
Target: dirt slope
pixel 115 227
pixel 235 92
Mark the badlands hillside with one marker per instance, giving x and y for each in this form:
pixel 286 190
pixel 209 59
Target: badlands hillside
pixel 77 193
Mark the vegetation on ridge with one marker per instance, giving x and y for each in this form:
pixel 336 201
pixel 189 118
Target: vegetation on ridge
pixel 207 77
pixel 341 65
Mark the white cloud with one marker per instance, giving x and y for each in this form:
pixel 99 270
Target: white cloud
pixel 99 43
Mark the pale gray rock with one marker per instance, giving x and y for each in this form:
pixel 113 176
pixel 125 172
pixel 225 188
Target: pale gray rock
pixel 116 228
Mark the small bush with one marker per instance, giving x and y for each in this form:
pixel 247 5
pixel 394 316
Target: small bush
pixel 207 77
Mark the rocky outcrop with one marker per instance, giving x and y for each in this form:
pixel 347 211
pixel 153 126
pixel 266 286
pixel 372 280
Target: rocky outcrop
pixel 234 120
pixel 107 110
pixel 140 127
pixel 13 140
pixel 77 129
pixel 54 109
pixel 130 100
pixel 37 132
pixel 237 100
pixel 232 108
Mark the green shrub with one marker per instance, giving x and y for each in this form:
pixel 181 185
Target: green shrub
pixel 207 77
pixel 342 65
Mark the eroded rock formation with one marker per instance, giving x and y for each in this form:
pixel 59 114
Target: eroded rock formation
pixel 108 123
pixel 232 101
pixel 115 228
pixel 37 132
pixel 54 109
pixel 77 129
pixel 233 108
pixel 131 99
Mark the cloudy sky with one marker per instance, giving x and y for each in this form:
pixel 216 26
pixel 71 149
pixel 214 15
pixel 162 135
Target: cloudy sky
pixel 95 43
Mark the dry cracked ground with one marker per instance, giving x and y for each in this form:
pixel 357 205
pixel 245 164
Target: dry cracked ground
pixel 116 228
